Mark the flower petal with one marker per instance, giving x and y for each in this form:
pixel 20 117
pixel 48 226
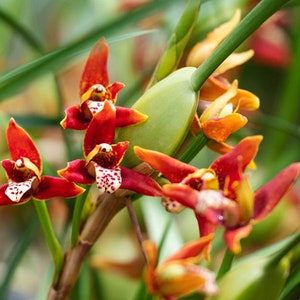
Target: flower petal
pixel 233 163
pixel 215 87
pixel 137 182
pixel 232 61
pixel 76 171
pixel 171 168
pixel 180 279
pixel 95 70
pixel 221 128
pixel 101 128
pixel 268 196
pixel 4 200
pixel 232 237
pixel 193 249
pixel 128 116
pixel 20 144
pixel 50 187
pixel 204 48
pixel 107 180
pixel 114 89
pixel 16 190
pixel 74 119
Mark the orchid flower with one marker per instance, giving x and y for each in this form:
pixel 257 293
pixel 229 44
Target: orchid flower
pixel 179 274
pixel 102 159
pixel 24 172
pixel 221 195
pixel 94 90
pixel 217 89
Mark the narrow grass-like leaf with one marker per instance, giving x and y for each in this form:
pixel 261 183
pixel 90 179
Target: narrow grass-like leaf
pixel 11 82
pixel 177 42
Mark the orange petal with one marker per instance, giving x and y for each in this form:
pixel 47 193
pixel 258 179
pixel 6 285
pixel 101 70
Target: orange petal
pixel 233 237
pixel 203 49
pixel 220 129
pixel 232 61
pixel 215 87
pixel 193 249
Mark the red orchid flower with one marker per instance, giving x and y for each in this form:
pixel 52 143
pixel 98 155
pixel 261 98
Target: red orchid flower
pixel 94 90
pixel 221 195
pixel 179 274
pixel 102 159
pixel 24 172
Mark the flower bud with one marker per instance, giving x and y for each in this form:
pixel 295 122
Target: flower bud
pixel 170 106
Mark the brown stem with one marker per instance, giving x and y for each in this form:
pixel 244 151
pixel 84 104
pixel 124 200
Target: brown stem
pixel 109 206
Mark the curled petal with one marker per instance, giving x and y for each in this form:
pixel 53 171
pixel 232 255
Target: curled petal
pixel 20 144
pixel 233 237
pixel 114 89
pixel 233 163
pixel 215 87
pixel 50 187
pixel 128 116
pixel 171 168
pixel 5 200
pixel 74 119
pixel 221 128
pixel 268 196
pixel 137 182
pixel 101 128
pixel 193 249
pixel 95 70
pixel 76 171
pixel 215 108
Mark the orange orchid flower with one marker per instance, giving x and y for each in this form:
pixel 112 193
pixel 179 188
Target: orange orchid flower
pixel 179 274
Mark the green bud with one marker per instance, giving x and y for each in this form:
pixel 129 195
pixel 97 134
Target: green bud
pixel 170 106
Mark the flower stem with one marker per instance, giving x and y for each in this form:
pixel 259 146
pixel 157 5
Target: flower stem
pixel 135 224
pixel 260 13
pixel 52 241
pixel 76 220
pixel 226 264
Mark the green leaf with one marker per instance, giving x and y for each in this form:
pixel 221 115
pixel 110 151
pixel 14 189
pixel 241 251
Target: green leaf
pixel 13 81
pixel 177 42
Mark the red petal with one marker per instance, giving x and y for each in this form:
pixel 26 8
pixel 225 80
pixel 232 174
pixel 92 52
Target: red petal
pixel 173 169
pixel 205 227
pixel 50 187
pixel 137 182
pixel 114 88
pixel 120 150
pixel 4 200
pixel 20 144
pixel 8 165
pixel 127 116
pixel 233 163
pixel 74 119
pixel 233 237
pixel 95 70
pixel 101 128
pixel 268 196
pixel 181 193
pixel 76 171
